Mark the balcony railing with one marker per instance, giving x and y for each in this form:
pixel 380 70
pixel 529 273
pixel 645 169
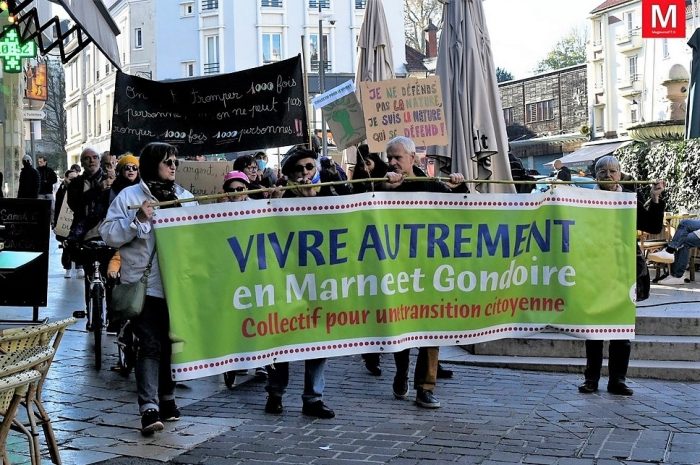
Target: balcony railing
pixel 271 3
pixel 211 68
pixel 627 36
pixel 313 4
pixel 360 4
pixel 326 66
pixel 210 5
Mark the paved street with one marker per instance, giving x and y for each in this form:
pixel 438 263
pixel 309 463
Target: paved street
pixel 489 416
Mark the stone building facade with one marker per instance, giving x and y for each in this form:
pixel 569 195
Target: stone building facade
pixel 546 115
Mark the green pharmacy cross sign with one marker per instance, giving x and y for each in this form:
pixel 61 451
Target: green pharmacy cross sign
pixel 12 51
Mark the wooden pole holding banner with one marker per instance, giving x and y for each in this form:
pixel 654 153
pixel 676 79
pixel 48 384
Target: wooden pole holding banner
pixel 305 74
pixel 357 181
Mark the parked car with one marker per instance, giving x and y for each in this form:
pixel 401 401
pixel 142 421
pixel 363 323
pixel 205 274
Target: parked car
pixel 542 185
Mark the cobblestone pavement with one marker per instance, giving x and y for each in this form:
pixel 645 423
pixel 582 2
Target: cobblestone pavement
pixel 489 416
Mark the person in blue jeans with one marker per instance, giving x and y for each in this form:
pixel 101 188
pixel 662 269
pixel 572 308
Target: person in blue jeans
pixel 303 170
pixel 677 252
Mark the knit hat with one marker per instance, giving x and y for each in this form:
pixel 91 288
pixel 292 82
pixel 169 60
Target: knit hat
pixel 27 158
pixel 128 159
pixel 236 176
pixel 294 155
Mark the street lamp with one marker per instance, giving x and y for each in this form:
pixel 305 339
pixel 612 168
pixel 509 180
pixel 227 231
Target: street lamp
pixel 321 78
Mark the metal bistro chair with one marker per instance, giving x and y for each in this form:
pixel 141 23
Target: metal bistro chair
pixel 13 389
pixel 26 337
pixel 32 358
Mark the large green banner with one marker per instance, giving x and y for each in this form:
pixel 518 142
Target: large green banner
pixel 256 282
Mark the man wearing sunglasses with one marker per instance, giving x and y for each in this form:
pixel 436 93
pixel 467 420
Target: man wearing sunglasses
pixel 299 166
pixel 401 153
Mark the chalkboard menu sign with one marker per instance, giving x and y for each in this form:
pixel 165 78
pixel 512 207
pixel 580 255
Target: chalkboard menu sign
pixel 27 229
pixel 251 109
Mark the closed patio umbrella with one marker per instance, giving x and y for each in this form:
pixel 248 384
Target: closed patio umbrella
pixel 478 143
pixel 375 62
pixel 692 118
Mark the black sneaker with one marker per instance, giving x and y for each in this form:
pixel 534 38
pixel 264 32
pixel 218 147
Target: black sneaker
pixel 620 389
pixel 400 387
pixel 150 422
pixel 588 387
pixel 443 373
pixel 427 399
pixel 169 411
pixel 274 405
pixel 317 409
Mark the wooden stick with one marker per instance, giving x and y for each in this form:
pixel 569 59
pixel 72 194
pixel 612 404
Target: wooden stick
pixel 357 181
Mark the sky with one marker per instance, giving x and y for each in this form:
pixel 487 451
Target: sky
pixel 522 32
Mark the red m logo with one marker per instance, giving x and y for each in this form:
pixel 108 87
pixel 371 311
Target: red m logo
pixel 663 19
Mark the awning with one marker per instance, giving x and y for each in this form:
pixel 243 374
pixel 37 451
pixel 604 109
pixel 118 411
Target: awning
pixel 554 139
pixel 591 152
pixel 93 23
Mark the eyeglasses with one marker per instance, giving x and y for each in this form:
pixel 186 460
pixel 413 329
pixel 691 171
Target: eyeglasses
pixel 603 171
pixel 252 167
pixel 131 168
pixel 89 157
pixel 236 189
pixel 172 162
pixel 301 168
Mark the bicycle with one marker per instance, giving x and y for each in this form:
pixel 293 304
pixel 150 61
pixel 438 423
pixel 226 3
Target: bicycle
pixel 96 308
pixel 126 350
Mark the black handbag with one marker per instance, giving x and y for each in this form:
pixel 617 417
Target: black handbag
pixel 128 299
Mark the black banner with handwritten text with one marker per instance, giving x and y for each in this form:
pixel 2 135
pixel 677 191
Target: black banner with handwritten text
pixel 255 108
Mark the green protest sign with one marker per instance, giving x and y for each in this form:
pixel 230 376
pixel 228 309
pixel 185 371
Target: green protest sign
pixel 251 283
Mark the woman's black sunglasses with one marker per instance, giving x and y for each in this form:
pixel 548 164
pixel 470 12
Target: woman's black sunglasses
pixel 236 189
pixel 172 162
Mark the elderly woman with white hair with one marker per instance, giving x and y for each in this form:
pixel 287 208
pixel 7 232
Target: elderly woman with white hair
pixel 650 219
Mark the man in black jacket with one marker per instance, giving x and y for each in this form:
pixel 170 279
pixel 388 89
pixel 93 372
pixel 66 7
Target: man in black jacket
pixel 47 179
pixel 401 153
pixel 28 180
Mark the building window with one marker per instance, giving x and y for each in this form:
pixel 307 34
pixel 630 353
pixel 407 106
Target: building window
pixel 629 21
pixel 360 4
pixel 634 113
pixel 89 120
pixel 632 68
pixel 508 116
pixel 271 3
pixel 540 111
pixel 313 4
pixel 212 64
pixel 187 9
pixel 138 38
pixel 210 5
pixel 188 69
pixel 664 48
pixel 313 45
pixel 272 47
pixel 597 33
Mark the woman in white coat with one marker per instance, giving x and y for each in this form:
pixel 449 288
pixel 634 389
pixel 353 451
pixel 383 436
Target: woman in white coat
pixel 131 231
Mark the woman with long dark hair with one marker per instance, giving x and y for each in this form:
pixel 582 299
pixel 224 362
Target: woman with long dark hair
pixel 132 232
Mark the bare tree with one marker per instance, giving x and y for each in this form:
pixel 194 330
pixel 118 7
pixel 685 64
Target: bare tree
pixel 417 16
pixel 54 126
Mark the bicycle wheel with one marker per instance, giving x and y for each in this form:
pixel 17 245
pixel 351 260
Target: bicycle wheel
pixel 126 350
pixel 97 293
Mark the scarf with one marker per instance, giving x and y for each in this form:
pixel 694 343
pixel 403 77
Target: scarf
pixel 163 191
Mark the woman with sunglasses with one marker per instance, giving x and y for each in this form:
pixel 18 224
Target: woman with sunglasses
pixel 127 174
pixel 236 182
pixel 132 232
